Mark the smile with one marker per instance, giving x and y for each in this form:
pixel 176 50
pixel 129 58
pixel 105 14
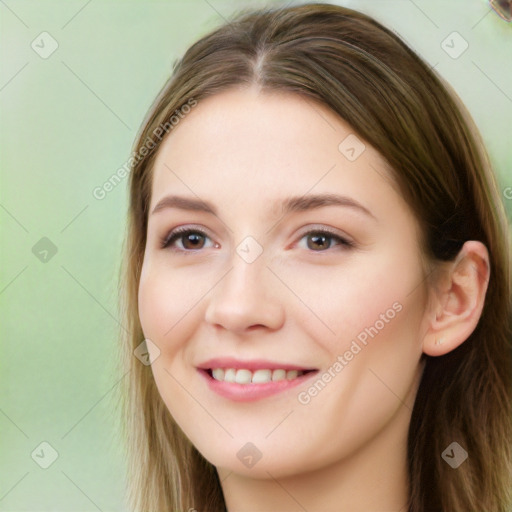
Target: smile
pixel 251 380
pixel 244 376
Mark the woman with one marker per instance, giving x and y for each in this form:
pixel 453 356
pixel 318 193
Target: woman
pixel 318 261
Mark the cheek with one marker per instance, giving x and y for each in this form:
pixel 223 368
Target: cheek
pixel 338 303
pixel 167 313
pixel 154 298
pixel 164 300
pixel 170 303
pixel 376 321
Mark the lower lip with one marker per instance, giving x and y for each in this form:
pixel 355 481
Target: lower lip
pixel 251 392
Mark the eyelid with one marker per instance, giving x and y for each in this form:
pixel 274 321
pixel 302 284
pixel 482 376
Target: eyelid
pixel 341 237
pixel 320 228
pixel 180 230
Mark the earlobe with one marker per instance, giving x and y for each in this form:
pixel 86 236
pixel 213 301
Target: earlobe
pixel 459 299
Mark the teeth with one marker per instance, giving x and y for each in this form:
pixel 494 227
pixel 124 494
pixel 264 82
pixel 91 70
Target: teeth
pixel 244 376
pixel 218 374
pixel 278 375
pixel 230 375
pixel 262 376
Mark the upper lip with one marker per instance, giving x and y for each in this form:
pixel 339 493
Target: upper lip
pixel 253 364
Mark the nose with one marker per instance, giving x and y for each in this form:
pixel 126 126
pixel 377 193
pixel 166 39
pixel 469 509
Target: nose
pixel 245 299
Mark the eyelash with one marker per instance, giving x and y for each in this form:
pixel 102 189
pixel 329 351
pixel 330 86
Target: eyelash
pixel 178 233
pixel 343 242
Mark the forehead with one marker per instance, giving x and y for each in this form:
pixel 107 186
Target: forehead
pixel 244 145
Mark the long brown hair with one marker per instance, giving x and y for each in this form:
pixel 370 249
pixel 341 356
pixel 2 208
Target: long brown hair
pixel 392 99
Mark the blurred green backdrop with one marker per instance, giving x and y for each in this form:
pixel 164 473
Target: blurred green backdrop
pixel 75 83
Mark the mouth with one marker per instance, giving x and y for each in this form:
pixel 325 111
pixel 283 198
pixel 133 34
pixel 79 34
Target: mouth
pixel 247 377
pixel 252 380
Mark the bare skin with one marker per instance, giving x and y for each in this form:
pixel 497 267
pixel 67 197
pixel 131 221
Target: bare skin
pixel 304 300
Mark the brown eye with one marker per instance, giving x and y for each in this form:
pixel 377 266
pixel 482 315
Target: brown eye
pixel 187 240
pixel 192 240
pixel 321 241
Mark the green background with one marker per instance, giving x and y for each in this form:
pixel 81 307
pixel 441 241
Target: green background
pixel 67 124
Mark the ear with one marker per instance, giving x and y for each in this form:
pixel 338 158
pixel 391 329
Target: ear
pixel 457 300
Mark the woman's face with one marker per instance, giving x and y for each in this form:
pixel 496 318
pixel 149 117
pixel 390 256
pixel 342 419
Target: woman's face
pixel 299 254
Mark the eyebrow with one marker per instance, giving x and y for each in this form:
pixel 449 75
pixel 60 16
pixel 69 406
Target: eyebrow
pixel 292 204
pixel 310 202
pixel 184 203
